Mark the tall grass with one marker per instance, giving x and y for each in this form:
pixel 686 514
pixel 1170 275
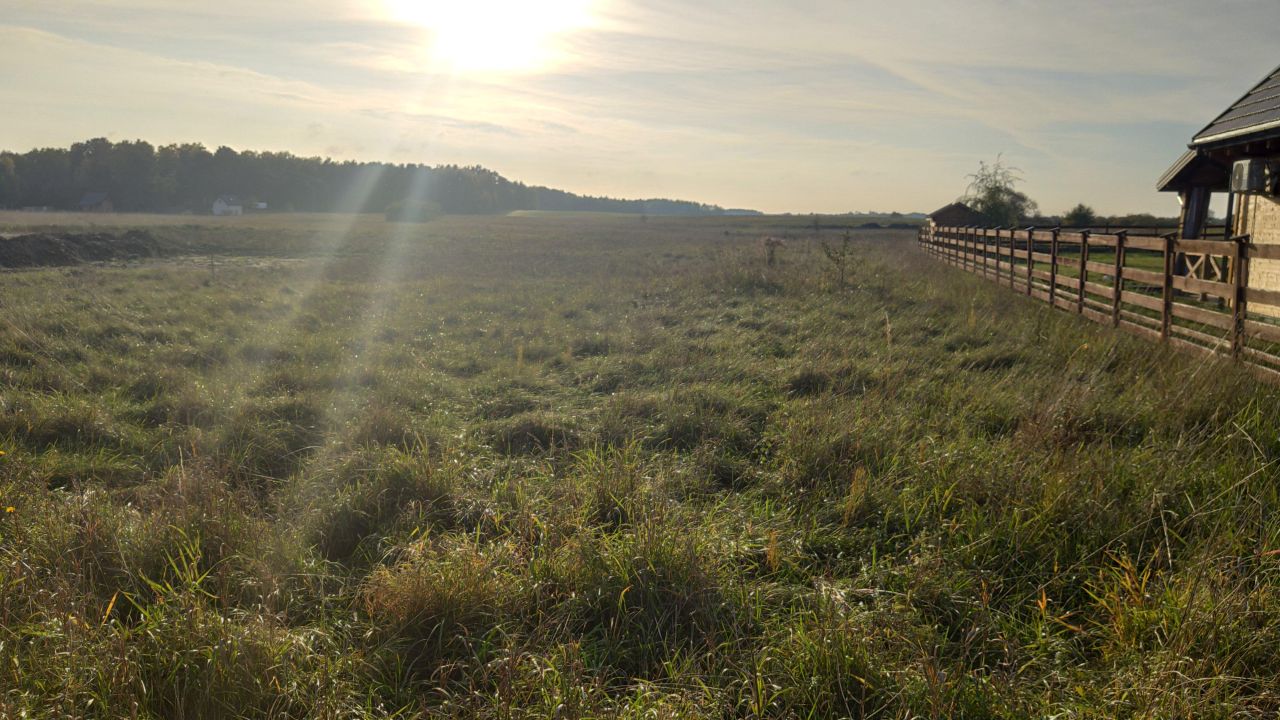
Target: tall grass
pixel 594 467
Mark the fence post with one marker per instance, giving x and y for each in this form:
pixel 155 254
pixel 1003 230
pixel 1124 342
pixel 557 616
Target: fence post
pixel 1118 278
pixel 1166 291
pixel 971 248
pixel 994 246
pixel 1053 268
pixel 1084 271
pixel 986 248
pixel 1013 250
pixel 979 251
pixel 1240 281
pixel 999 254
pixel 996 250
pixel 1031 263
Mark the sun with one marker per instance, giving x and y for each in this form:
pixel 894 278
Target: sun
pixel 494 35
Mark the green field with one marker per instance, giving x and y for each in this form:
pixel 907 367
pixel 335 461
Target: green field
pixel 594 466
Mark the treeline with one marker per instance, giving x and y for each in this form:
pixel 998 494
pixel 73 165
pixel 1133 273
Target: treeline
pixel 138 177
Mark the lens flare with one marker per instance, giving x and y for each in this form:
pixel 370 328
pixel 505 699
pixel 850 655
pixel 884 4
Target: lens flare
pixel 494 35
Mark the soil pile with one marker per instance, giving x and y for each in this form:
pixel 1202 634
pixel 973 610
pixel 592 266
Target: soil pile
pixel 47 250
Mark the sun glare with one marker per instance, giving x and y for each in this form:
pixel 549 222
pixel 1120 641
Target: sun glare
pixel 494 35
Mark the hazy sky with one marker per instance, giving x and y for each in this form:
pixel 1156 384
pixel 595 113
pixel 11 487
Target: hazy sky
pixel 818 105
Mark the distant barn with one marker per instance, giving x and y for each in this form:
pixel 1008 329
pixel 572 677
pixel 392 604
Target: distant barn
pixel 957 214
pixel 228 205
pixel 96 202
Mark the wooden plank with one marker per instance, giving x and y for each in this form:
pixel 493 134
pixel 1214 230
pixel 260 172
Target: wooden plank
pixel 1102 316
pixel 1099 289
pixel 1150 302
pixel 1263 297
pixel 1222 343
pixel 1075 238
pixel 1263 372
pixel 1042 235
pixel 1039 294
pixel 1105 307
pixel 1139 242
pixel 1043 257
pixel 1202 316
pixel 1102 240
pixel 1144 276
pixel 1264 252
pixel 1208 287
pixel 1068 261
pixel 1264 331
pixel 1066 303
pixel 1205 247
pixel 1041 275
pixel 1097 267
pixel 1139 330
pixel 1254 355
pixel 1180 344
pixel 1068 282
pixel 1139 319
pixel 1261 355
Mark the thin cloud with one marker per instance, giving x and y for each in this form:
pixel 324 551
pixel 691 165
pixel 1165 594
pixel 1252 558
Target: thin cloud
pixel 825 105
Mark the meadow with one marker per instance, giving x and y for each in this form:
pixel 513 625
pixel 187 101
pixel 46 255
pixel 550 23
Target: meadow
pixel 586 466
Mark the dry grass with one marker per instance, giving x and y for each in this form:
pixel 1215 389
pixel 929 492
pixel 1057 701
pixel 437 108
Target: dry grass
pixel 596 466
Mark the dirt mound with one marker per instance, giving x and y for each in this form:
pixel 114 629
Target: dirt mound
pixel 47 250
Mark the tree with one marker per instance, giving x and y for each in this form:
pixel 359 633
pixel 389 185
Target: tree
pixel 1080 216
pixel 10 191
pixel 133 167
pixel 993 193
pixel 176 177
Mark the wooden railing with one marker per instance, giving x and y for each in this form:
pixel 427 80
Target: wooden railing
pixel 1132 282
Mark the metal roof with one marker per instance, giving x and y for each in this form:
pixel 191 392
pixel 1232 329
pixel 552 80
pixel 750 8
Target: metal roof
pixel 1257 111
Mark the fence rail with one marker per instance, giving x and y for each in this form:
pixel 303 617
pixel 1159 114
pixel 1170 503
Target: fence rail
pixel 1133 282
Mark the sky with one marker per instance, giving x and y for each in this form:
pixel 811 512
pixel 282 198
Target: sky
pixel 799 106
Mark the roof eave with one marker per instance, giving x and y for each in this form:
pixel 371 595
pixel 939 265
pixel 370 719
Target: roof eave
pixel 1267 77
pixel 1164 184
pixel 1268 129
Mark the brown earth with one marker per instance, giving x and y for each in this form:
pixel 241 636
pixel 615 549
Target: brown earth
pixel 45 249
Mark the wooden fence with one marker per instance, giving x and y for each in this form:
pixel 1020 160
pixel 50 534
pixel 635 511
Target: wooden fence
pixel 1132 282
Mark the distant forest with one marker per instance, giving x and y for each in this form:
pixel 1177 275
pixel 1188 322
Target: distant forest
pixel 138 177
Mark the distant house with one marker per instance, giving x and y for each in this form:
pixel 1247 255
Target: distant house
pixel 96 202
pixel 1238 153
pixel 956 214
pixel 228 205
